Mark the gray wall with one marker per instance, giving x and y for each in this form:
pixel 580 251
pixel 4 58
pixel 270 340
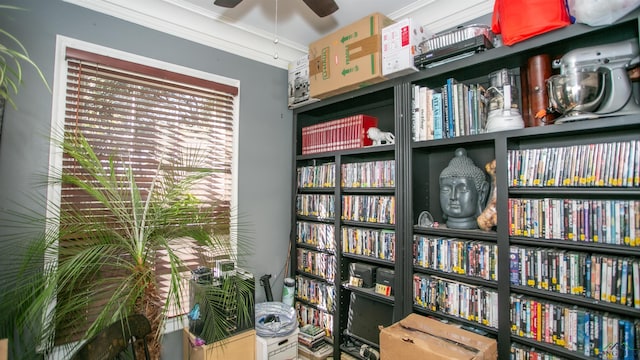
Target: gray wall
pixel 265 122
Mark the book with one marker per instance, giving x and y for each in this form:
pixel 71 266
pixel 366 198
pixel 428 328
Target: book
pixel 429 114
pixel 451 120
pixel 422 119
pixel 636 289
pixel 437 115
pixel 446 100
pixel 467 108
pixel 344 133
pixel 458 108
pixel 415 116
pixel 309 334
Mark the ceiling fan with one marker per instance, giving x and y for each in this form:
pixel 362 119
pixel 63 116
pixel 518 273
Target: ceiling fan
pixel 322 8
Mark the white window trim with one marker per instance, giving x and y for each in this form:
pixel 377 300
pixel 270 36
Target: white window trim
pixel 57 129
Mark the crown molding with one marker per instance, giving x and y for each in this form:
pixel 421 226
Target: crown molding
pixel 199 25
pixel 194 23
pixel 441 15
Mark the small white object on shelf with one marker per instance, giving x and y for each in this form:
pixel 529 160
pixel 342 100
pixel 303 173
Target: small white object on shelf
pixel 380 137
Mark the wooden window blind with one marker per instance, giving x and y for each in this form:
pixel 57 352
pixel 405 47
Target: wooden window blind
pixel 142 114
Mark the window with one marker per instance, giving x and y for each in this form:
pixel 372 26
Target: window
pixel 143 113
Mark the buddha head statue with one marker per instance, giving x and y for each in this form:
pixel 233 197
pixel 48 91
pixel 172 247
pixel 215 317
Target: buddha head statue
pixel 463 191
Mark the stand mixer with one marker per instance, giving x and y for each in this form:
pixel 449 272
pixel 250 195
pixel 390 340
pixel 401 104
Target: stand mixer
pixel 593 82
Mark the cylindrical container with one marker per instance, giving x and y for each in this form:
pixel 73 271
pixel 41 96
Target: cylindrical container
pixel 503 93
pixel 538 71
pixel 288 291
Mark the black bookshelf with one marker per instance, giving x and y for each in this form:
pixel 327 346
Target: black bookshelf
pixel 416 187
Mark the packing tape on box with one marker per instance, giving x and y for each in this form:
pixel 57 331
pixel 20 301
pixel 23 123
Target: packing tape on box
pixel 319 63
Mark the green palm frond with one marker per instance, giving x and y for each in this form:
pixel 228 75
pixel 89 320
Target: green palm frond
pixel 122 241
pixel 221 310
pixel 12 55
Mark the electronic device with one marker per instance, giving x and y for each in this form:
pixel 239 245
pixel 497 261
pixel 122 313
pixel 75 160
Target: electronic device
pixel 365 316
pixel 503 110
pixel 455 44
pixel 593 82
pixel 225 268
pixel 362 275
pixel 453 51
pixel 385 280
pixel 369 353
pixel 202 275
pixel 205 288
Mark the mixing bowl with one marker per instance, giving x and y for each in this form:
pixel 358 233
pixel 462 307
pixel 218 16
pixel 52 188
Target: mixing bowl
pixel 576 92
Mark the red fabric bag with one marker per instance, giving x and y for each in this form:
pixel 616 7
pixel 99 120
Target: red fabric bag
pixel 519 20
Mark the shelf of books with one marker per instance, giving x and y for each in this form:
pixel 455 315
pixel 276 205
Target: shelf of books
pixel 574 255
pixel 315 251
pixel 361 223
pixel 368 245
pixel 435 108
pixel 345 218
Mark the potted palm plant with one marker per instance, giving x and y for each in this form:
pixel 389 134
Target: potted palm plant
pixel 68 259
pixel 12 55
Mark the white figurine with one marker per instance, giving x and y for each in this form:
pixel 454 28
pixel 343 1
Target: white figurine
pixel 380 137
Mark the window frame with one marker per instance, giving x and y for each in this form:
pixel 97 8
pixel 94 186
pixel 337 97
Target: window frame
pixel 58 121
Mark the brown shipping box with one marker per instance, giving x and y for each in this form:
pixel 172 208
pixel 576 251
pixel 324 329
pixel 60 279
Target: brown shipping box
pixel 420 337
pixel 347 59
pixel 238 346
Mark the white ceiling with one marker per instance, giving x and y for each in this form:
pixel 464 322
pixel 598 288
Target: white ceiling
pixel 250 28
pixel 296 22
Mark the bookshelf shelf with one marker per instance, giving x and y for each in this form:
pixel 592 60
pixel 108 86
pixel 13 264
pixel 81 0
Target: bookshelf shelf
pixel 369 259
pixel 579 246
pixel 359 152
pixel 553 349
pixel 591 192
pixel 472 280
pixel 315 248
pixel 315 277
pixel 370 293
pixel 470 325
pixel 467 234
pixel 623 310
pixel 315 219
pixel 316 190
pixel 370 190
pixel 371 225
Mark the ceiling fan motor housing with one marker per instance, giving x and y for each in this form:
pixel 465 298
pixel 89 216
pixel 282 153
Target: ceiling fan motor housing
pixel 322 8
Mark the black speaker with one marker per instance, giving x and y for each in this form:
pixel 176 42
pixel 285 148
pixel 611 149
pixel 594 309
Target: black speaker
pixel 385 281
pixel 362 275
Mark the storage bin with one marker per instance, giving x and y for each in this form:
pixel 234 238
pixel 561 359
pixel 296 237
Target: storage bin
pixel 277 348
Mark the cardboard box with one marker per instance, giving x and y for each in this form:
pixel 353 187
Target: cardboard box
pixel 345 356
pixel 420 34
pixel 347 59
pixel 298 88
pixel 398 49
pixel 277 348
pixel 4 349
pixel 419 337
pixel 240 346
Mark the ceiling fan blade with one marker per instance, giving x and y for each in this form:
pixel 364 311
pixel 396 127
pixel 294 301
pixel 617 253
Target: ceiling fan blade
pixel 227 3
pixel 322 8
